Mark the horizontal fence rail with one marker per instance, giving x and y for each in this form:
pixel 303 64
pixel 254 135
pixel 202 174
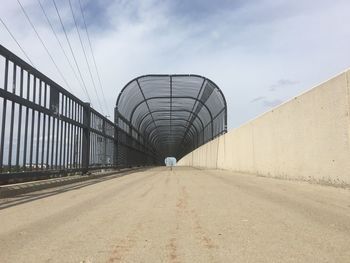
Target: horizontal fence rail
pixel 46 131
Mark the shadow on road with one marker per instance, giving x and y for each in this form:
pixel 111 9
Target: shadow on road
pixel 29 197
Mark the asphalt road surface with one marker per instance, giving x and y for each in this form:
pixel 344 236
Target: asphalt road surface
pixel 179 215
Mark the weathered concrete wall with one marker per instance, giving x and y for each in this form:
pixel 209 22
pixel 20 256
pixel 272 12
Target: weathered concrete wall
pixel 305 138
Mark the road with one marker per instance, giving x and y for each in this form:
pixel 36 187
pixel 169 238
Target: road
pixel 183 215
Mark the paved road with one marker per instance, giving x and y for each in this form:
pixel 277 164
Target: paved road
pixel 184 215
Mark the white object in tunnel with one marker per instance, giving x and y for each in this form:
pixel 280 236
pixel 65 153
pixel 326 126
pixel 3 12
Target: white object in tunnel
pixel 170 161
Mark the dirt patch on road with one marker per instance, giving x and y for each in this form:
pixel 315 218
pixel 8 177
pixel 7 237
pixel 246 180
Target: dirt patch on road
pixel 182 200
pixel 172 248
pixel 125 245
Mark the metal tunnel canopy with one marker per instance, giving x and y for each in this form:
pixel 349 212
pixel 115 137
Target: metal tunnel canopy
pixel 171 115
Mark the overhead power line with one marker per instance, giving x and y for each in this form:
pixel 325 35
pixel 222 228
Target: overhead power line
pixel 20 47
pixel 92 53
pixel 60 43
pixel 71 50
pixel 43 44
pixel 86 60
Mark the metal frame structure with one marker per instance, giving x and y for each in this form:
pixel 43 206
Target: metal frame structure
pixel 172 114
pixel 45 131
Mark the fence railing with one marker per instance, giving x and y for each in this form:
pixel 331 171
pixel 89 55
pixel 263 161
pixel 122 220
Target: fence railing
pixel 46 131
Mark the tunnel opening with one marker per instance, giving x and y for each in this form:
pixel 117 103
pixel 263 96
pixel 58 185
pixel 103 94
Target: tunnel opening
pixel 167 115
pixel 170 161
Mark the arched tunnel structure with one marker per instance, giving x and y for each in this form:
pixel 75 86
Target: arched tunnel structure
pixel 167 115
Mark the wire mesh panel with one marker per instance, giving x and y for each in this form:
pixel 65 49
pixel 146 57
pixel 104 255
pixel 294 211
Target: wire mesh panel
pixel 170 115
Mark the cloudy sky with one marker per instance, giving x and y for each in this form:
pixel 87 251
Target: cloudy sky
pixel 259 52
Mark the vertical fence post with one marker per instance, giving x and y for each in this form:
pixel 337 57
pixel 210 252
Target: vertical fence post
pixel 86 137
pixel 104 143
pixel 115 142
pixel 3 125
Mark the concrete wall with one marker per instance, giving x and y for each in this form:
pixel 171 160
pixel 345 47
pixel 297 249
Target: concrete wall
pixel 305 138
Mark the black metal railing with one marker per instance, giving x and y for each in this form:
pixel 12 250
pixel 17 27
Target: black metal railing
pixel 46 131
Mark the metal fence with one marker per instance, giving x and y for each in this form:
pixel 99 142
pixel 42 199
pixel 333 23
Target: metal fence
pixel 46 131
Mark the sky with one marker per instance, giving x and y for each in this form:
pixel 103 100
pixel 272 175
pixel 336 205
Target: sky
pixel 259 52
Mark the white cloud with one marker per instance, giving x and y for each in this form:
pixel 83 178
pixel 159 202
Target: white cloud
pixel 245 48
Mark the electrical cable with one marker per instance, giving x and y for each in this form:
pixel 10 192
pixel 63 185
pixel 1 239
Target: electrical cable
pixel 20 47
pixel 60 43
pixel 43 44
pixel 71 50
pixel 86 60
pixel 92 52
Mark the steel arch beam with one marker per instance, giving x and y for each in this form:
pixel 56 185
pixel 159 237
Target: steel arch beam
pixel 176 97
pixel 183 110
pixel 165 129
pixel 159 126
pixel 185 120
